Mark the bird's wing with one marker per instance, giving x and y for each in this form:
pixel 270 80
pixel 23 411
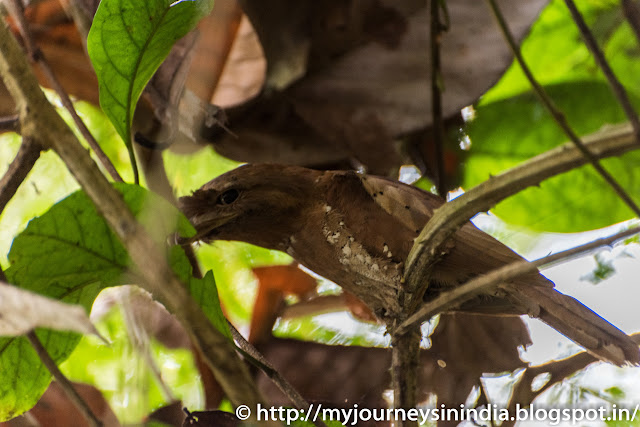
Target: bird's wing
pixel 409 205
pixel 474 251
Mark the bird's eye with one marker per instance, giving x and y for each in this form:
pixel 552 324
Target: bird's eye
pixel 228 197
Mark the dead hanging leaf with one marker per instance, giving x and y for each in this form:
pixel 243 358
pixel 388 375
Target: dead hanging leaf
pixel 219 35
pixel 352 77
pixel 274 282
pixel 288 279
pixel 336 375
pixel 21 311
pixel 358 308
pixel 393 84
pixel 465 347
pixel 244 70
pixel 149 315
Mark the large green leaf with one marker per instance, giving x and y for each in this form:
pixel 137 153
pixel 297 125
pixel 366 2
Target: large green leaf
pixel 556 53
pixel 69 253
pixel 128 41
pixel 512 126
pixel 509 131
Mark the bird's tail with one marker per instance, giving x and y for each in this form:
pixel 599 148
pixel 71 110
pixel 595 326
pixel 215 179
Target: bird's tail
pixel 577 322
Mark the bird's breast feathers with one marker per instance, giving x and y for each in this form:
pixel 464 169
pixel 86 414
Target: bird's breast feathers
pixel 334 251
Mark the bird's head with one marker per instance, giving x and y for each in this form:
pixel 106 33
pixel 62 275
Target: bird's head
pixel 259 203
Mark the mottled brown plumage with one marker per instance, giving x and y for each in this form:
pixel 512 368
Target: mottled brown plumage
pixel 357 230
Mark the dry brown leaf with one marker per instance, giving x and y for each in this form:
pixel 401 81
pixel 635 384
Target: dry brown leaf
pixel 465 347
pixel 345 80
pixel 21 311
pixel 274 282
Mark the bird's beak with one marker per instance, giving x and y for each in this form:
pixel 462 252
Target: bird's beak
pixel 206 223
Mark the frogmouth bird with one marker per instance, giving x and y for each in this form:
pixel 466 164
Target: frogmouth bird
pixel 357 231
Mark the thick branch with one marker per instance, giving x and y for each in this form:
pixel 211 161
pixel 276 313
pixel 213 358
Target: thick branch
pixel 405 355
pixel 39 119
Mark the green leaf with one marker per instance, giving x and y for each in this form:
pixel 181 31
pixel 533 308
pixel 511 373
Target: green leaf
pixel 24 377
pixel 128 41
pixel 203 291
pixel 509 131
pixel 604 270
pixel 556 53
pixel 615 392
pixel 70 254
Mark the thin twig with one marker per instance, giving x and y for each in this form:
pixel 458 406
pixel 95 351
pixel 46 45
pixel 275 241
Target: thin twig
pixel 631 11
pixel 436 97
pixel 23 162
pixel 10 123
pixel 64 383
pixel 37 56
pixel 81 14
pixel 459 294
pixel 557 115
pixel 259 361
pixel 615 84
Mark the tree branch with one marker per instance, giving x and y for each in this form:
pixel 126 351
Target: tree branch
pixel 557 115
pixel 615 84
pixel 259 361
pixel 436 96
pixel 405 355
pixel 459 294
pixel 10 124
pixel 631 11
pixel 64 383
pixel 17 11
pixel 612 141
pixel 40 119
pixel 26 157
